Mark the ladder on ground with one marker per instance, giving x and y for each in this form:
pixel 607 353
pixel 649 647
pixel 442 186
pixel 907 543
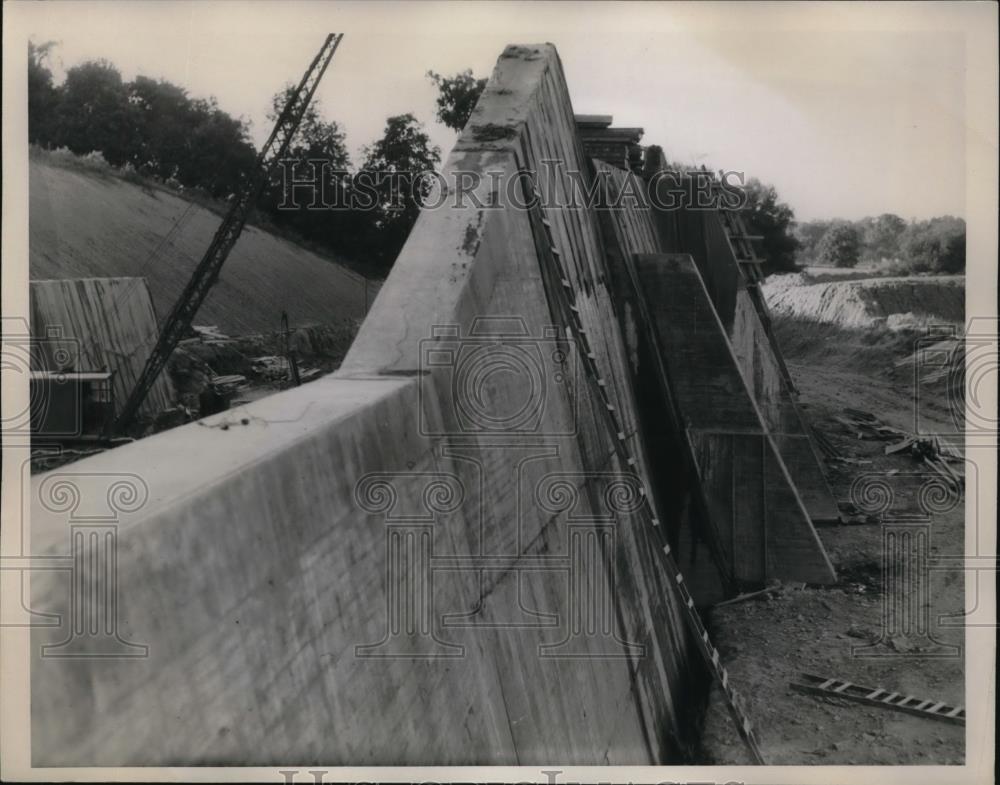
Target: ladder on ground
pixel 877 696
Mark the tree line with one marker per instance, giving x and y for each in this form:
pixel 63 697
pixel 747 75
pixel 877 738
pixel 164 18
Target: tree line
pixel 887 241
pixel 156 130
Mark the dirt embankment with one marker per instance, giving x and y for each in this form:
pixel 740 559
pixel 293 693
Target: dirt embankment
pixel 897 303
pixel 843 631
pixel 90 224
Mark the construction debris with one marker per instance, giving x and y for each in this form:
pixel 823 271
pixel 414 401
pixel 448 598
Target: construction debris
pixel 867 426
pixel 762 594
pixel 209 333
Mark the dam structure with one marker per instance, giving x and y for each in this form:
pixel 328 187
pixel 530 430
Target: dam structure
pixel 561 430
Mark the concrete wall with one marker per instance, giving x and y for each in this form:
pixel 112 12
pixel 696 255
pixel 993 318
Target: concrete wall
pixel 111 323
pixel 432 556
pixel 707 404
pixel 753 505
pixel 700 233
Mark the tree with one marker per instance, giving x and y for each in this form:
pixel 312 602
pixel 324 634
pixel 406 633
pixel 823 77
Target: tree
pixel 43 97
pixel 457 97
pixel 191 140
pixel 881 237
pixel 809 233
pixel 94 113
pixel 840 245
pixel 317 153
pixel 765 215
pixel 315 137
pixel 935 246
pixel 393 175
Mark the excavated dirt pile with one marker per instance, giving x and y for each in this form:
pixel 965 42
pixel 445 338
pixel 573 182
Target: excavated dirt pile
pixel 910 302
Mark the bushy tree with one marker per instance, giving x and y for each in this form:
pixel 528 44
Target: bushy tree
pixel 809 233
pixel 393 174
pixel 765 215
pixel 881 237
pixel 935 246
pixel 94 113
pixel 43 98
pixel 840 245
pixel 317 153
pixel 457 97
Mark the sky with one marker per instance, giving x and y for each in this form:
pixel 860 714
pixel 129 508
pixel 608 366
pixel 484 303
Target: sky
pixel 848 109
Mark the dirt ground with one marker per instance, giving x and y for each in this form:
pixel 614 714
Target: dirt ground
pixel 766 643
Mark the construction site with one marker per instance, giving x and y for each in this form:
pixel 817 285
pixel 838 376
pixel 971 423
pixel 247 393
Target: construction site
pixel 575 484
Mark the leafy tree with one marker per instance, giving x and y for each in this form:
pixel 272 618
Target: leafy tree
pixel 317 153
pixel 43 97
pixel 840 245
pixel 94 113
pixel 809 233
pixel 392 174
pixel 315 137
pixel 191 140
pixel 457 97
pixel 765 215
pixel 881 237
pixel 936 246
pixel 220 155
pixel 160 112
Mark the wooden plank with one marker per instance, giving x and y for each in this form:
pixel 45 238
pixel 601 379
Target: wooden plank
pixel 113 323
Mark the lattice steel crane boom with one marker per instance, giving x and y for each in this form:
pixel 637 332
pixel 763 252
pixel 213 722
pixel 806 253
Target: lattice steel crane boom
pixel 207 271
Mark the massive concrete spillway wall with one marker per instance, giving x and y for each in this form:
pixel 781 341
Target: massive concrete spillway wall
pixel 433 556
pixel 694 335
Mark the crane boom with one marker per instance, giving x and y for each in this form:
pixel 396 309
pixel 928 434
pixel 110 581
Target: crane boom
pixel 207 271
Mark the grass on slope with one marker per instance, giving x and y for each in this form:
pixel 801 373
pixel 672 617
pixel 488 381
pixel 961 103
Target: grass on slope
pixel 87 224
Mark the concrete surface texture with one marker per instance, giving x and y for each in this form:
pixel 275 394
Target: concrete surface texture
pixel 758 517
pixel 111 325
pixel 438 554
pixel 700 233
pixel 706 380
pixel 431 556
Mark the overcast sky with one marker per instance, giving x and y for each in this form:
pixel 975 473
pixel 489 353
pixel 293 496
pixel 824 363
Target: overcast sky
pixel 850 110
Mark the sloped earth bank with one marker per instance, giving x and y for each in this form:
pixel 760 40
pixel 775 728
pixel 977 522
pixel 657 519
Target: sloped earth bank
pixel 91 224
pixel 767 643
pixel 897 303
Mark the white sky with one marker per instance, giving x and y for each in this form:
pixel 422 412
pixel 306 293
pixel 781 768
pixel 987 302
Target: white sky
pixel 849 109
